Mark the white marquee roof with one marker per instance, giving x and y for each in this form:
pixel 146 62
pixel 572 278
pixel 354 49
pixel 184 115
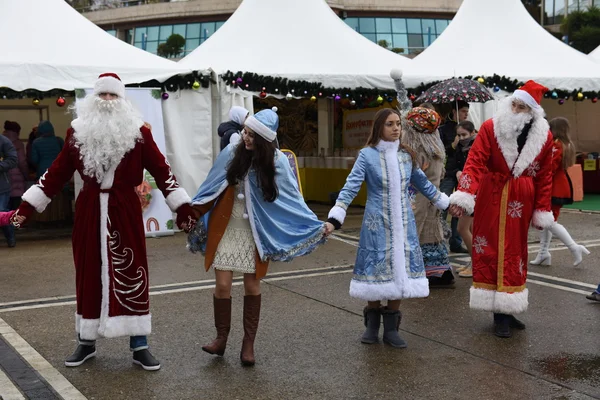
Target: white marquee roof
pixel 296 39
pixel 489 37
pixel 596 54
pixel 46 44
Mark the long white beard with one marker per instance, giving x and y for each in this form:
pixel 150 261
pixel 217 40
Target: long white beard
pixel 508 124
pixel 105 130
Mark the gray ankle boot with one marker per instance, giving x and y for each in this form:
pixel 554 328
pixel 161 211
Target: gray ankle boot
pixel 372 322
pixel 391 323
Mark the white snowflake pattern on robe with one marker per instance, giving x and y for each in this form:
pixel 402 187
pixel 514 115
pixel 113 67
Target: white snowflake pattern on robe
pixel 479 243
pixel 464 182
pixel 372 222
pixel 533 169
pixel 515 209
pixel 521 266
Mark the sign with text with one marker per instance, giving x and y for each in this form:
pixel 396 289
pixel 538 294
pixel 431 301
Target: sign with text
pixel 357 127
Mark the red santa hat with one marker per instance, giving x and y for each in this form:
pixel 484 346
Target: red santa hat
pixel 531 93
pixel 109 83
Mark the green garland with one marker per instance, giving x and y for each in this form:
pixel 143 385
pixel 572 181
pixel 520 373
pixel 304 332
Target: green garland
pixel 282 86
pixel 170 85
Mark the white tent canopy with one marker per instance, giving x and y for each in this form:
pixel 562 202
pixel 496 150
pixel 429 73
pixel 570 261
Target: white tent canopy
pixel 46 45
pixel 488 37
pixel 595 54
pixel 299 40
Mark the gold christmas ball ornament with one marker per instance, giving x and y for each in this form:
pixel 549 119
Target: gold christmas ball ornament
pixel 36 102
pixel 196 85
pixel 313 98
pixel 480 80
pixel 380 99
pixel 579 95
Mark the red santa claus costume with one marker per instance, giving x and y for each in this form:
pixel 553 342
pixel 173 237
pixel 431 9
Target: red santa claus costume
pixel 109 248
pixel 509 169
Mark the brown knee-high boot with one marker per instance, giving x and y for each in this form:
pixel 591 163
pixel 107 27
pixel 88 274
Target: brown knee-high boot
pixel 222 310
pixel 251 317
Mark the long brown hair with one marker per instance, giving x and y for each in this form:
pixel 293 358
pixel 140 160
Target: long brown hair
pixel 377 131
pixel 560 129
pixel 262 159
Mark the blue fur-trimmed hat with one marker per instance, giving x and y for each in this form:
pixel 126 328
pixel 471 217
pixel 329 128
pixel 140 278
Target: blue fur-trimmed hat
pixel 265 123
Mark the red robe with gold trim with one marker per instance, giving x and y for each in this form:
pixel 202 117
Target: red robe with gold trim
pixel 109 245
pixel 513 190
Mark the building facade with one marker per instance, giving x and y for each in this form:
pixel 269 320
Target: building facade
pixel 404 26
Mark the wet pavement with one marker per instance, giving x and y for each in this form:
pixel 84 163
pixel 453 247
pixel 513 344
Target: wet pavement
pixel 308 340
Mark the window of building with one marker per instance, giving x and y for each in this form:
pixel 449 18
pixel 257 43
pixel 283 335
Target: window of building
pixel 409 34
pixel 112 32
pixel 149 37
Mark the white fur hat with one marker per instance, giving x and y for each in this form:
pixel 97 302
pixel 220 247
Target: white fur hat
pixel 109 83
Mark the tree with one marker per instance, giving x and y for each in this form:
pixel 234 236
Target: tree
pixel 172 47
pixel 176 43
pixel 583 29
pixel 384 43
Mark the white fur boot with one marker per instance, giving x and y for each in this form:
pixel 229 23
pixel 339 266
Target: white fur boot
pixel 543 256
pixel 576 250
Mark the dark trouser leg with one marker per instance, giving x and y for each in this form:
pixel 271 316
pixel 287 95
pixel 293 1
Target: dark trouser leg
pixel 447 186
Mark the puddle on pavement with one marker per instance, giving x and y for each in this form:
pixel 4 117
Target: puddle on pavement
pixel 569 367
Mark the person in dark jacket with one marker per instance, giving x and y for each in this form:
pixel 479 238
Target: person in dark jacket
pixel 229 131
pixel 8 161
pixel 459 113
pixel 18 175
pixel 45 148
pixel 466 134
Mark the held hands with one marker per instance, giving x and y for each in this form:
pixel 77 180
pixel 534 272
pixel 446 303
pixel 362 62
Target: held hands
pixel 186 218
pixel 17 220
pixel 456 211
pixel 329 228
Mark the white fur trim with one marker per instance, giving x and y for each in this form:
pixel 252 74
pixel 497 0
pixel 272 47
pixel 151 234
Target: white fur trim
pixel 87 328
pixel 37 198
pixel 542 219
pixel 499 302
pixel 260 128
pixel 235 138
pixel 128 325
pixel 526 98
pixel 109 84
pixel 177 198
pixel 402 287
pixel 443 202
pixel 537 137
pixel 464 200
pixel 337 213
pixel 511 303
pixel 418 288
pixel 384 146
pixel 482 299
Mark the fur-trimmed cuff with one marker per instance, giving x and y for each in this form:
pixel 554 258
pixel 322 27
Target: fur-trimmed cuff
pixel 442 202
pixel 499 302
pixel 337 213
pixel 177 198
pixel 464 200
pixel 542 219
pixel 37 198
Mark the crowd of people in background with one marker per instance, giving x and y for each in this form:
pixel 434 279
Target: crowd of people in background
pixel 22 164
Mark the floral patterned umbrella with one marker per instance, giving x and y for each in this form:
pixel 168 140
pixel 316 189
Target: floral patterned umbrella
pixel 456 89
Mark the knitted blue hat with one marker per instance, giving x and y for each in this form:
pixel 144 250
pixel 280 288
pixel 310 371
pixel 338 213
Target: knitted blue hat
pixel 264 123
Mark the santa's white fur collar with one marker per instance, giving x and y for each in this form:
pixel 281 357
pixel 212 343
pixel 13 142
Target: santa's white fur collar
pixel 384 146
pixel 536 138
